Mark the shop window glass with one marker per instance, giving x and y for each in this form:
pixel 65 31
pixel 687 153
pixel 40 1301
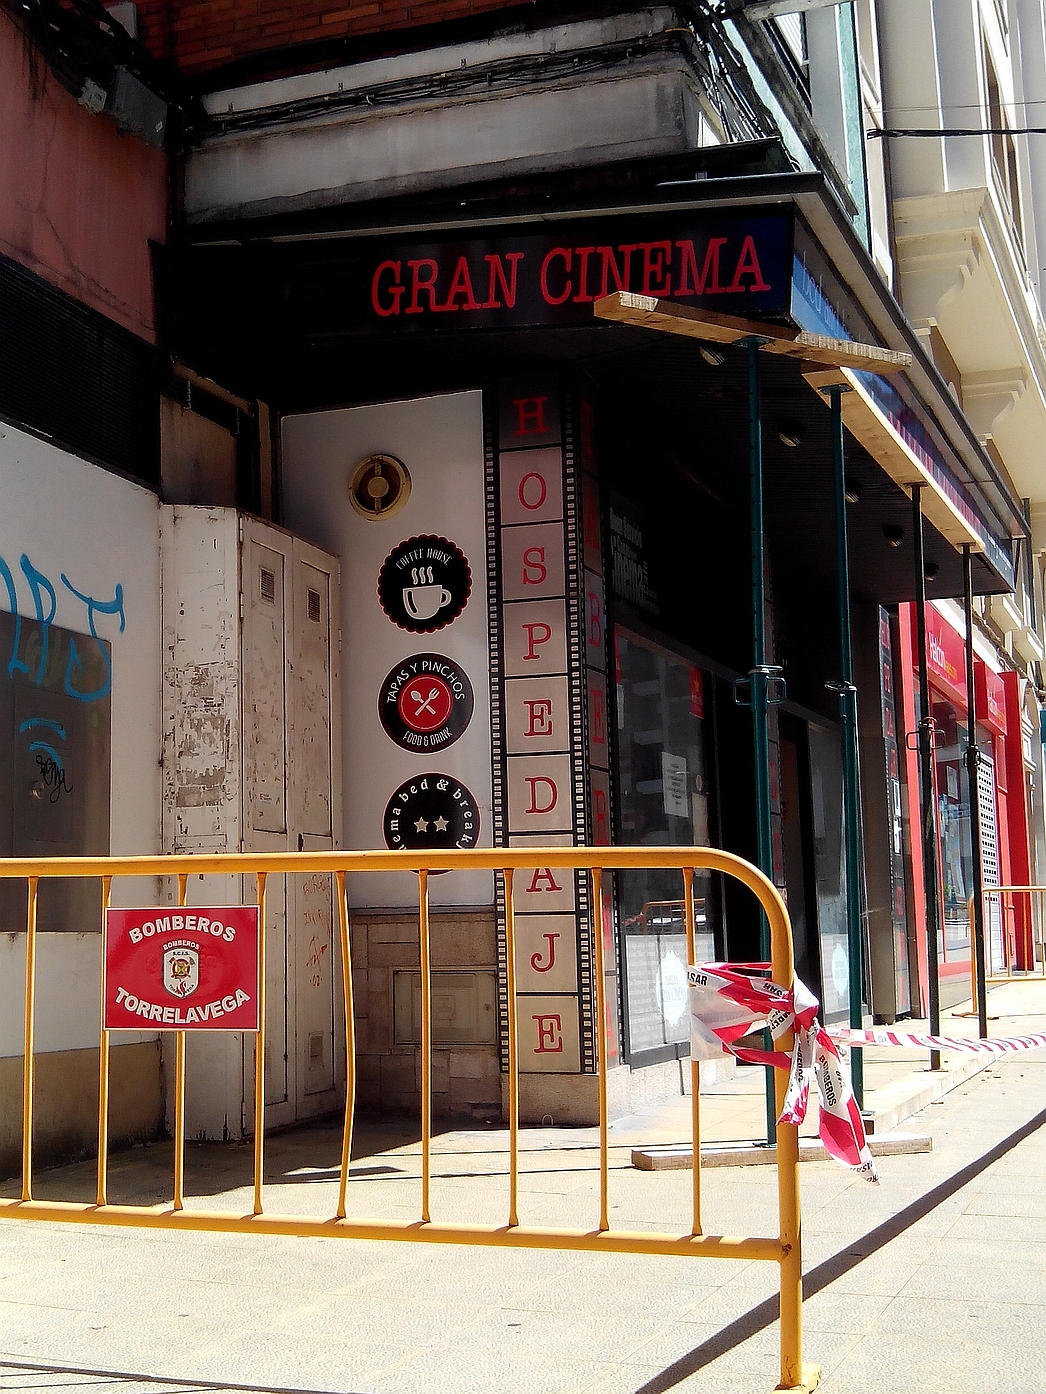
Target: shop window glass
pixel 953 813
pixel 662 800
pixel 826 797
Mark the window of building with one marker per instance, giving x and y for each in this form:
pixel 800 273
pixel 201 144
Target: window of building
pixel 787 34
pixel 663 799
pixel 1004 149
pixel 953 811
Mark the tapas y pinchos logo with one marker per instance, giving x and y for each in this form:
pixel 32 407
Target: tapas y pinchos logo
pixel 426 702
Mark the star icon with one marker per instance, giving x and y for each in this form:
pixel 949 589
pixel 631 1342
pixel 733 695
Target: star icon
pixel 422 825
pixel 440 824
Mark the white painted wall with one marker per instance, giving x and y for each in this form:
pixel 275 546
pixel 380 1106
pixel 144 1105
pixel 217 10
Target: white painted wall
pixel 72 518
pixel 440 440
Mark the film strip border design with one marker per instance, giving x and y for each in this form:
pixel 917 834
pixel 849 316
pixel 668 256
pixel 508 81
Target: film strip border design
pixel 499 836
pixel 535 513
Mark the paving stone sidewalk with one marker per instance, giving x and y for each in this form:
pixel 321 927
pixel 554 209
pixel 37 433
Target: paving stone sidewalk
pixel 933 1281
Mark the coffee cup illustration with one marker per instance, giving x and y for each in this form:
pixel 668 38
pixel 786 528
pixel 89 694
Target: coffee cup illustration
pixel 422 602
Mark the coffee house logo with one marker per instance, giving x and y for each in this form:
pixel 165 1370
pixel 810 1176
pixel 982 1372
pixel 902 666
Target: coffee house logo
pixel 431 812
pixel 426 702
pixel 424 584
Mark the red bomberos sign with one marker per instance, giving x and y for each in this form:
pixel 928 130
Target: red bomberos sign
pixel 184 969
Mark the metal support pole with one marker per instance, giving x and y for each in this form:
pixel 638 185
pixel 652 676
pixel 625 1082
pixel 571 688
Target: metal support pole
pixel 851 765
pixel 973 760
pixel 931 888
pixel 760 676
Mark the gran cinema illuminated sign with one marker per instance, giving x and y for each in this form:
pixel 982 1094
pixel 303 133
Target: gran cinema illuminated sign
pixel 737 265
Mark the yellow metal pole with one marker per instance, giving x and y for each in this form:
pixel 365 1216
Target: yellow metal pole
pixel 259 1053
pixel 974 1007
pixel 601 1046
pixel 793 1374
pixel 179 1091
pixel 513 1053
pixel 590 1241
pixel 28 1059
pixel 102 1179
pixel 695 1065
pixel 426 1042
pixel 350 1043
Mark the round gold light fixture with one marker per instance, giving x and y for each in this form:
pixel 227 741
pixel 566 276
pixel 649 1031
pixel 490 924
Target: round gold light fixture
pixel 379 486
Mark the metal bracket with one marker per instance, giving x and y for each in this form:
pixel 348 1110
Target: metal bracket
pixel 840 687
pixel 742 687
pixel 913 739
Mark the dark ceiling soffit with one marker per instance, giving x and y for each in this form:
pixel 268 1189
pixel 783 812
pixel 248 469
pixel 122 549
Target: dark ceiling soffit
pixel 316 55
pixel 480 207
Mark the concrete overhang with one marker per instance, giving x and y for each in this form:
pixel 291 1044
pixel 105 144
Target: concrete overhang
pixel 605 89
pixel 962 271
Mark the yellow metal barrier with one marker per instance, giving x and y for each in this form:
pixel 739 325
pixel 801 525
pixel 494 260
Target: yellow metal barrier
pixel 784 1249
pixel 1008 934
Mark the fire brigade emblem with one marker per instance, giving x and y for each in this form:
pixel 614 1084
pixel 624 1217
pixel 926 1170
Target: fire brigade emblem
pixel 181 969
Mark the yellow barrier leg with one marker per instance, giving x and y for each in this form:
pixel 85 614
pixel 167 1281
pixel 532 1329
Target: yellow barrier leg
pixel 513 1053
pixel 259 1053
pixel 102 1176
pixel 28 1057
pixel 350 1044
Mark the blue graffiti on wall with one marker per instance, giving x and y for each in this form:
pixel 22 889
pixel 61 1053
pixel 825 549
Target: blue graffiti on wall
pixel 42 590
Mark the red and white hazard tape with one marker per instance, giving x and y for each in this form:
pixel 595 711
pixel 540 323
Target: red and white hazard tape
pixel 879 1036
pixel 726 1005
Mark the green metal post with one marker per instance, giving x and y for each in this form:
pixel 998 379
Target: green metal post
pixel 931 878
pixel 973 757
pixel 851 766
pixel 760 676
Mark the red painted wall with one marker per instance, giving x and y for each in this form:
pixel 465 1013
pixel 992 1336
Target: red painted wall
pixel 1017 822
pixel 78 201
pixel 202 34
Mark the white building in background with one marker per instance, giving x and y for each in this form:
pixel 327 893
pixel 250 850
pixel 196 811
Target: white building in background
pixel 967 230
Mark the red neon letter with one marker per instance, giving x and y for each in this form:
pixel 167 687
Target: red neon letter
pixel 655 254
pixel 550 1035
pixel 610 266
pixel 545 875
pixel 461 284
pixel 534 569
pixel 542 491
pixel 748 265
pixel 599 803
pixel 540 709
pixel 595 620
pixel 550 784
pixel 535 959
pixel 584 295
pixel 707 282
pixel 508 285
pixel 551 299
pixel 395 290
pixel 538 633
pixel 530 414
pixel 419 286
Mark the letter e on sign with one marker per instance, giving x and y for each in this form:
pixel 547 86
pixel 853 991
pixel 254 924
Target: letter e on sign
pixel 173 977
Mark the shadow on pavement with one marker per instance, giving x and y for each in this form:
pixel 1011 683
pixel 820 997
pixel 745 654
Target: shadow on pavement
pixel 826 1273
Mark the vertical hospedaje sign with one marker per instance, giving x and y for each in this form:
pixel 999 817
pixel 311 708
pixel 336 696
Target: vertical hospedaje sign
pixel 550 692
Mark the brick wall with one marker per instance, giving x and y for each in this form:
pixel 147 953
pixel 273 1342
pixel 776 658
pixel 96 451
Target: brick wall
pixel 204 34
pixel 466 1079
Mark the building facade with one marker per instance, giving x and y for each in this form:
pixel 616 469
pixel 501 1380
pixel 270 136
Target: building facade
pixel 427 553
